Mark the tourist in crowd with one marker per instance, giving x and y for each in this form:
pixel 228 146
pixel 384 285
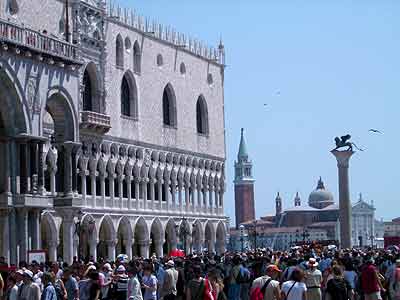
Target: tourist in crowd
pixel 71 285
pixel 295 288
pixel 134 289
pixel 269 284
pixel 235 276
pixel 370 281
pixel 28 289
pixel 338 288
pixel 49 292
pixel 313 280
pixel 195 287
pixel 120 281
pixel 105 280
pixel 149 283
pixel 168 289
pixel 12 288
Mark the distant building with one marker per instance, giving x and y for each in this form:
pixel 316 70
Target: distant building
pixel 244 185
pixel 363 223
pixel 392 233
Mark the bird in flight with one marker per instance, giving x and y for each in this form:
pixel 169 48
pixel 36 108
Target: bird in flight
pixel 375 131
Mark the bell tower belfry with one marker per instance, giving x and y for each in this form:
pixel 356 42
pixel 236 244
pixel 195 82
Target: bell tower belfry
pixel 244 185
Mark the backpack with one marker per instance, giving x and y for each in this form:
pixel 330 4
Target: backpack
pixel 243 276
pixel 258 293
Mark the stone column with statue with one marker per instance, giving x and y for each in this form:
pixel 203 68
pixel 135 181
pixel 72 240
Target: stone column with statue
pixel 343 159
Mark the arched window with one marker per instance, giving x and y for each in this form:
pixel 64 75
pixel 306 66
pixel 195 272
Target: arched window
pixel 169 107
pixel 87 93
pixel 137 57
pixel 12 7
pixel 128 96
pixel 119 52
pixel 202 116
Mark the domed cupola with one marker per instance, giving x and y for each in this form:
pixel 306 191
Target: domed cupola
pixel 320 197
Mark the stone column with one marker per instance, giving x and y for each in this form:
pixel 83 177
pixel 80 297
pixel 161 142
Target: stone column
pixel 74 168
pixel 111 250
pixel 128 179
pixel 13 236
pixel 24 167
pixel 128 247
pixel 111 188
pixel 216 200
pixel 68 234
pixel 23 233
pixel 41 188
pixel 210 200
pixel 160 199
pixel 159 248
pixel 93 248
pixel 144 189
pixel 199 198
pixel 103 189
pixel 36 241
pixel 187 197
pixel 52 251
pixel 173 194
pixel 144 248
pixel 13 167
pixel 205 200
pixel 180 188
pixel 93 187
pixel 137 193
pixel 68 164
pixel 34 166
pixel 166 194
pixel 152 192
pixel 82 175
pixel 121 190
pixel 343 158
pixel 5 232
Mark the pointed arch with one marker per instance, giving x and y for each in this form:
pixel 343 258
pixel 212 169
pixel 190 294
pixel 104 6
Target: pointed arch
pixel 221 238
pixel 169 106
pixel 124 236
pixel 137 58
pixel 91 88
pixel 129 96
pixel 119 51
pixel 202 116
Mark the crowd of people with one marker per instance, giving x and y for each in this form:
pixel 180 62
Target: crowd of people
pixel 302 273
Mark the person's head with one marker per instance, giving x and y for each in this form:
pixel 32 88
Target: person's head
pixel 196 271
pixel 93 275
pixel 107 268
pixel 47 278
pixel 147 269
pixel 121 270
pixel 213 275
pixel 11 280
pixel 54 267
pixel 27 277
pixel 312 263
pixel 35 267
pixel 273 271
pixel 67 273
pixel 297 275
pixel 337 271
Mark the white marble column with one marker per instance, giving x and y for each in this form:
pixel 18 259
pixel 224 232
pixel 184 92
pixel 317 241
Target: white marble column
pixel 128 180
pixel 343 158
pixel 121 190
pixel 52 250
pixel 152 192
pixel 210 200
pixel 159 248
pixel 93 248
pixel 82 175
pixel 111 250
pixel 103 189
pixel 68 234
pixel 173 194
pixel 166 194
pixel 187 197
pixel 36 240
pixel 144 189
pixel 22 224
pixel 137 192
pixel 199 198
pixel 111 189
pixel 128 247
pixel 160 195
pixel 205 200
pixel 93 188
pixel 5 231
pixel 216 201
pixel 180 188
pixel 144 248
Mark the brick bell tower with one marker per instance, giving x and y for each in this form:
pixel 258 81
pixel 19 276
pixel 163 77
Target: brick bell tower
pixel 244 185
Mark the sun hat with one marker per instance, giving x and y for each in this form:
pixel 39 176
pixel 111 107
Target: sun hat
pixel 170 263
pixel 28 273
pixel 107 266
pixel 312 262
pixel 121 268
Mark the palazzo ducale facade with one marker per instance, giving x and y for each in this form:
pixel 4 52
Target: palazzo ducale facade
pixel 112 134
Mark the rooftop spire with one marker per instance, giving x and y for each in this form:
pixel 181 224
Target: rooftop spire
pixel 297 200
pixel 320 185
pixel 242 154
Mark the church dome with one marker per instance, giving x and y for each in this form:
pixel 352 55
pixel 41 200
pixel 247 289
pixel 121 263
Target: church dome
pixel 320 197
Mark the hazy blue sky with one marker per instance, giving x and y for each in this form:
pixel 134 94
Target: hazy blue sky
pixel 336 65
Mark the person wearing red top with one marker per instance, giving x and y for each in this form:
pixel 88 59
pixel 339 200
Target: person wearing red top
pixel 370 282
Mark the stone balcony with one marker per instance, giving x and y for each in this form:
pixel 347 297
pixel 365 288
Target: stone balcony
pixel 94 121
pixel 33 41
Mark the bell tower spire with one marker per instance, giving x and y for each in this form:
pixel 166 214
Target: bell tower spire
pixel 244 184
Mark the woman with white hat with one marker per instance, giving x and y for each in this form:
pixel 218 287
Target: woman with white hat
pixel 313 280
